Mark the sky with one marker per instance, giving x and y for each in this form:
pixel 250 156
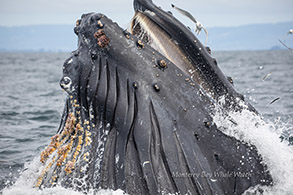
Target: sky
pixel 211 13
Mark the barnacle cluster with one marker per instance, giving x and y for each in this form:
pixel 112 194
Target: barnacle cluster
pixel 88 139
pixel 40 178
pixel 66 146
pixel 51 148
pixel 102 39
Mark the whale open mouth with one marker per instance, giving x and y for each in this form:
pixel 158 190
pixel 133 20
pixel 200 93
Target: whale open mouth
pixel 167 35
pixel 150 32
pixel 176 42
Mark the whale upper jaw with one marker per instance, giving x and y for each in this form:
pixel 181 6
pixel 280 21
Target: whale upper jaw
pixel 175 41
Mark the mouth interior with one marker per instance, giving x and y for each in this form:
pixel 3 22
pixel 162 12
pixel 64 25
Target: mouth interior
pixel 151 33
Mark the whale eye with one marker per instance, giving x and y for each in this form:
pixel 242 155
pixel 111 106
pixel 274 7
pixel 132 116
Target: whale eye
pixel 65 83
pixel 67 80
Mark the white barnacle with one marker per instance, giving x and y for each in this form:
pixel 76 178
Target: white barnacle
pixel 85 157
pixel 145 162
pixel 70 61
pixel 150 12
pixel 83 169
pixel 117 158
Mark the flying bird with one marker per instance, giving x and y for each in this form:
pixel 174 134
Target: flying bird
pixel 198 25
pixel 284 39
pixel 275 100
pixel 267 76
pixel 288 33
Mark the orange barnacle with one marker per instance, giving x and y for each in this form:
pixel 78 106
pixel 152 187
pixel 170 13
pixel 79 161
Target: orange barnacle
pixel 77 23
pixel 78 148
pixel 55 138
pixel 46 153
pixel 85 157
pixel 69 166
pixel 78 126
pixel 80 139
pixel 40 178
pixel 69 121
pixel 70 115
pixel 87 133
pixel 57 144
pixel 44 156
pixel 60 160
pixel 102 39
pixel 76 153
pixel 88 141
pixel 81 129
pixel 63 150
pixel 73 120
pixel 65 131
pixel 162 64
pixel 50 149
pixel 53 179
pixel 140 44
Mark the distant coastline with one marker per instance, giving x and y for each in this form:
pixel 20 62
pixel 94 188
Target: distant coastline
pixel 61 38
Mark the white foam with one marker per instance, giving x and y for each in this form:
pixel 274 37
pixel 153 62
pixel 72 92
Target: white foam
pixel 28 178
pixel 264 135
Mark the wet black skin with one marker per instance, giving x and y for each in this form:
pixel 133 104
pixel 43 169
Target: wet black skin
pixel 152 122
pixel 215 81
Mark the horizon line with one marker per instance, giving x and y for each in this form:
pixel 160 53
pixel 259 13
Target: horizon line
pixel 73 24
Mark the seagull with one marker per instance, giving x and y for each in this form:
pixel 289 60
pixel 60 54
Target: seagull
pixel 288 33
pixel 284 39
pixel 198 25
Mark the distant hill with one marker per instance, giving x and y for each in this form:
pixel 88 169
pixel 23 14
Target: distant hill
pixel 61 37
pixel 38 38
pixel 250 37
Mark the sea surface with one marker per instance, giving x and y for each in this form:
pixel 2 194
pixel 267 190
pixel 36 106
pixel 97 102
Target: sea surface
pixel 31 103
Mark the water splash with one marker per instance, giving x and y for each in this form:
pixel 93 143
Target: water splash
pixel 278 156
pixel 24 185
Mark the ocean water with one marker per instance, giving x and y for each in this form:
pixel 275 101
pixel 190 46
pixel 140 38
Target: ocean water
pixel 31 104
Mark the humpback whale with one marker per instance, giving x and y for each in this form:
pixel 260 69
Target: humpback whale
pixel 138 114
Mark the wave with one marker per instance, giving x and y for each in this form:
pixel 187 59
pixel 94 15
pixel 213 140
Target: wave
pixel 250 127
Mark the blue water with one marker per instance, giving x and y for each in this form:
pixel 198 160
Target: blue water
pixel 31 101
pixel 248 70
